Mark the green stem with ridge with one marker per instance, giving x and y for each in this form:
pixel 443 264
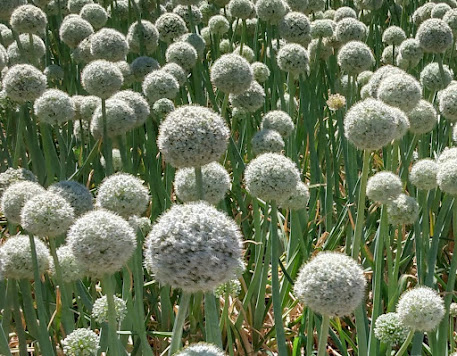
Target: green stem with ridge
pixel 113 347
pixel 322 346
pixel 275 286
pixel 176 342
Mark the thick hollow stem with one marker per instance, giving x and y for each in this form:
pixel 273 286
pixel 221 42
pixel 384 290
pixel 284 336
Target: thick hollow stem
pixel 112 323
pixel 322 347
pixel 213 332
pixel 176 342
pixel 405 345
pixel 275 287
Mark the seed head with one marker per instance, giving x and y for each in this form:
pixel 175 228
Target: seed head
pixel 145 34
pixel 389 329
pixel 81 342
pixel 100 309
pixel 120 118
pixel 420 309
pixel 403 210
pixel 194 247
pixel 192 136
pixel 231 73
pixel 331 284
pixel 434 36
pixel 102 78
pixel 160 84
pixel 384 187
pixel 15 197
pixel 124 194
pixel 69 266
pixel 215 180
pixel 74 29
pixel 16 257
pixel 271 177
pixel 24 82
pixel 102 242
pixel 267 140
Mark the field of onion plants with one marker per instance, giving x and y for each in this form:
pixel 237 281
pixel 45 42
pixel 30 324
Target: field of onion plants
pixel 228 177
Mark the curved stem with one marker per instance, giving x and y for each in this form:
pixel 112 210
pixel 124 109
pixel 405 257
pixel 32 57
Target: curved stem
pixel 405 345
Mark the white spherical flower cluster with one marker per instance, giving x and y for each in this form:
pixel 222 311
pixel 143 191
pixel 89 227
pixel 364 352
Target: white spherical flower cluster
pixel 194 16
pixel 393 35
pixel 170 27
pixel 15 196
pixel 95 14
pixel 162 108
pixel 54 73
pixel 24 82
pixel 434 35
pixel 176 71
pixel 143 34
pixel 331 284
pixel 421 309
pixel 231 73
pixel 432 78
pixel 70 268
pixel 343 12
pixel 193 247
pixel 448 102
pixel 322 28
pixel 246 52
pixel 447 155
pixel 232 288
pixel 16 257
pixel 13 175
pixel 293 58
pixel 315 6
pixel 271 11
pixel 85 106
pixel 47 215
pixel 411 50
pixel 215 183
pixel 271 176
pixel 447 172
pixel 389 329
pixel 355 57
pixel 140 224
pixel 279 121
pixel 422 118
pixel 192 136
pixel 76 194
pixel 141 66
pixel 390 55
pixel 370 124
pixel 402 91
pixel 109 44
pixel 160 84
pixel 298 199
pixel 349 29
pixel 102 242
pixel 218 25
pixel 423 174
pixel 439 10
pixel 54 107
pixel 260 71
pixel 403 210
pixel 81 342
pixel 380 74
pixel 75 6
pixel 100 309
pixel 182 53
pixel 8 6
pixel 201 348
pixel 124 194
pixel 74 29
pixel 120 118
pixel 32 51
pixel 241 9
pixel 423 13
pixel 102 78
pixel 384 187
pixel 28 19
pixel 267 140
pixel 196 41
pixel 297 5
pixel 451 20
pixel 250 100
pixel 295 27
pixel 137 102
pixel 319 50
